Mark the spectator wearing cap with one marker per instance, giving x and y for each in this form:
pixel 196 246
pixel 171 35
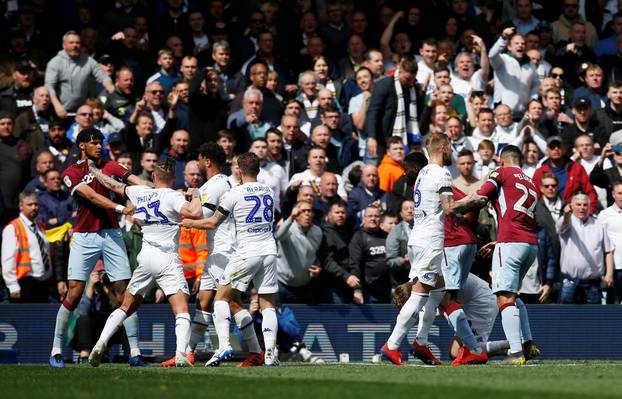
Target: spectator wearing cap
pixel 44 162
pixel 611 218
pixel 606 177
pixel 17 98
pixel 571 176
pixel 33 124
pixel 586 254
pixel 14 165
pixel 593 87
pixel 105 62
pixel 121 101
pixel 583 124
pixel 516 80
pixel 610 116
pixel 115 146
pixel 575 55
pixel 68 73
pixel 26 265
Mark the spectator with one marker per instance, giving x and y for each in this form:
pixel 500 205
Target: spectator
pixel 604 177
pixel 570 15
pixel 357 107
pixel 120 102
pixel 368 262
pixel 153 102
pixel 33 124
pixel 334 255
pixel 67 74
pixel 270 173
pixel 57 142
pixel 583 123
pixel 466 78
pixel 571 176
pixel 167 75
pixel 272 109
pixel 611 219
pixel 516 80
pixel 397 244
pixel 593 87
pixel 14 165
pixel 44 162
pixel 485 130
pixel 307 81
pixel 26 265
pixel 148 161
pixel 84 120
pixel 320 66
pixel 316 161
pixel 524 20
pixel 179 152
pixel 366 192
pixel 531 155
pixel 586 254
pixel 425 67
pixel 610 116
pixel 192 176
pixel 56 206
pixel 390 96
pixel 575 55
pixel 272 61
pixel 484 159
pixel 178 99
pixel 17 98
pixel 335 31
pixel 340 134
pixel 297 263
pixel 325 197
pixel 505 125
pixel 466 182
pixel 231 81
pixel 391 167
pixel 404 186
pixel 608 45
pixel 584 154
pixel 204 126
pixel 611 63
pixel 247 123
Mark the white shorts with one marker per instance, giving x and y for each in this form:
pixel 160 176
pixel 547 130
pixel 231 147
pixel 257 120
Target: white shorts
pixel 165 268
pixel 213 271
pixel 261 270
pixel 457 265
pixel 510 263
pixel 425 264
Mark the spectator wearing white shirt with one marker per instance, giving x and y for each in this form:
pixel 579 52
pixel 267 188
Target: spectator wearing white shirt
pixel 584 154
pixel 425 67
pixel 26 266
pixel 466 79
pixel 486 130
pixel 316 159
pixel 611 218
pixel 586 254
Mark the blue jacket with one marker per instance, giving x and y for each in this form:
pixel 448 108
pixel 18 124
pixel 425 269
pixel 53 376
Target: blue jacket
pixel 359 199
pixel 58 205
pixel 548 258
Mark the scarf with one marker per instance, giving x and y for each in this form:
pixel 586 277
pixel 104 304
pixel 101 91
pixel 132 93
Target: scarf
pixel 310 107
pixel 402 127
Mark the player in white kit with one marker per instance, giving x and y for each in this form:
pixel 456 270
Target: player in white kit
pixel 159 210
pixel 220 243
pixel 433 199
pixel 251 205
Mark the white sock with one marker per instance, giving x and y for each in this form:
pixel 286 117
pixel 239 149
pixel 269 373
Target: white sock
pixel 113 323
pixel 510 319
pixel 200 322
pixel 404 321
pixel 222 320
pixel 244 321
pixel 269 327
pixel 457 319
pixel 524 320
pixel 426 320
pixel 62 319
pixel 131 330
pixel 182 331
pixel 496 347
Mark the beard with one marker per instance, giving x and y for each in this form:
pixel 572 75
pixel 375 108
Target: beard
pixel 447 160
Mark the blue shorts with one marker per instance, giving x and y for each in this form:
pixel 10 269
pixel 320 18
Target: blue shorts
pixel 87 248
pixel 457 265
pixel 510 263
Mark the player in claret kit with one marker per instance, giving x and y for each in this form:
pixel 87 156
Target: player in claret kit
pixel 251 206
pixel 159 210
pixel 514 196
pixel 433 199
pixel 96 235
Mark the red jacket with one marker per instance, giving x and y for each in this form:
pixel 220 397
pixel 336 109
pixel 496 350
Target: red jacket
pixel 577 180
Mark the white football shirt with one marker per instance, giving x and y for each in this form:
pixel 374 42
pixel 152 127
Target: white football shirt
pixel 273 175
pixel 479 304
pixel 159 211
pixel 212 192
pixel 428 229
pixel 252 207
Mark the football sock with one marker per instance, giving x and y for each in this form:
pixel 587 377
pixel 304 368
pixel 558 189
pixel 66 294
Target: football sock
pixel 131 330
pixel 496 347
pixel 244 321
pixel 524 320
pixel 426 319
pixel 269 327
pixel 200 322
pixel 113 323
pixel 458 320
pixel 182 331
pixel 222 320
pixel 510 319
pixel 62 318
pixel 405 319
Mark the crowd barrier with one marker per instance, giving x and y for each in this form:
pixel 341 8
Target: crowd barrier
pixel 561 331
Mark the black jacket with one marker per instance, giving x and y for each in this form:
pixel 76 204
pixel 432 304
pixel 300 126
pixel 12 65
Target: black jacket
pixel 334 255
pixel 545 221
pixel 206 114
pixel 594 129
pixel 605 179
pixel 608 119
pixel 368 262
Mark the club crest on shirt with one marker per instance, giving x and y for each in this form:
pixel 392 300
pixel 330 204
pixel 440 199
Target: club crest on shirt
pixel 67 181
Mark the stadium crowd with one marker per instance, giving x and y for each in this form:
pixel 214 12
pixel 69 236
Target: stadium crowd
pixel 336 98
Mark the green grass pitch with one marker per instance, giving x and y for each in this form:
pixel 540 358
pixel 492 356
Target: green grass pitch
pixel 566 380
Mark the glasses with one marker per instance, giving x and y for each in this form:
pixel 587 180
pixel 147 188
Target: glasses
pixel 86 114
pixel 617 153
pixel 557 75
pixel 549 185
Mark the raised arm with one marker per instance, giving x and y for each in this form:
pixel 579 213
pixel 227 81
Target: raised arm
pixel 387 34
pixel 193 209
pixel 483 56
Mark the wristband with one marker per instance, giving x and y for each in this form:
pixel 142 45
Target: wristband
pixel 119 208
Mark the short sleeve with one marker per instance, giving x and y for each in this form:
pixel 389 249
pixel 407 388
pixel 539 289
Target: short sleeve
pixel 176 201
pixel 114 169
pixel 131 192
pixel 72 179
pixel 445 184
pixel 491 185
pixel 228 201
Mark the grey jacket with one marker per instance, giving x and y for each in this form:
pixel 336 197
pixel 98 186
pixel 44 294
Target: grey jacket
pixel 396 248
pixel 68 78
pixel 297 251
